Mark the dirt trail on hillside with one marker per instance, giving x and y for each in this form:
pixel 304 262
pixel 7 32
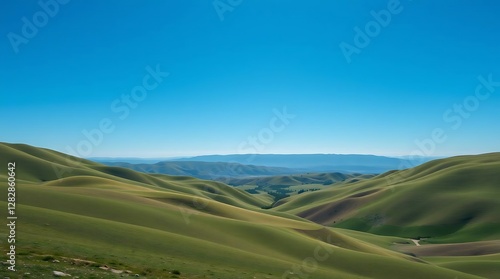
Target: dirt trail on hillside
pixel 452 249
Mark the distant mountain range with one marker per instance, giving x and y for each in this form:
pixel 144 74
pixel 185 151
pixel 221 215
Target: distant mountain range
pixel 251 165
pixel 205 170
pixel 132 160
pixel 316 162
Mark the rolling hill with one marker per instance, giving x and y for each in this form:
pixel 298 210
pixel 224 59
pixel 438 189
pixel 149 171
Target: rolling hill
pixel 293 180
pixel 92 220
pixel 281 186
pixel 448 206
pixel 446 200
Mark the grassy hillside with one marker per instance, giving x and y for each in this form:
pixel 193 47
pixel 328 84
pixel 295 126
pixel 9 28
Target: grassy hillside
pixel 45 166
pixel 292 180
pixel 85 216
pixel 447 200
pixel 450 204
pixel 279 187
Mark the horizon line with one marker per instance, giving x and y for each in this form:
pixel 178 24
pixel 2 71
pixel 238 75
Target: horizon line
pixel 278 154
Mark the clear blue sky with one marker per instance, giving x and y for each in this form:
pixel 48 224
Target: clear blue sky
pixel 230 69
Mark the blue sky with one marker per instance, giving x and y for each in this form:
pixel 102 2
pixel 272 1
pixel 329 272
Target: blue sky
pixel 232 68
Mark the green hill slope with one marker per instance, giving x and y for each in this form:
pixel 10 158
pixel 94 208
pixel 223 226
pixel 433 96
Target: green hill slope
pixel 293 180
pixel 86 215
pixel 279 187
pixel 448 200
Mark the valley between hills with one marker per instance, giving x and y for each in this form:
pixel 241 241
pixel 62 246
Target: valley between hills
pixel 439 219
